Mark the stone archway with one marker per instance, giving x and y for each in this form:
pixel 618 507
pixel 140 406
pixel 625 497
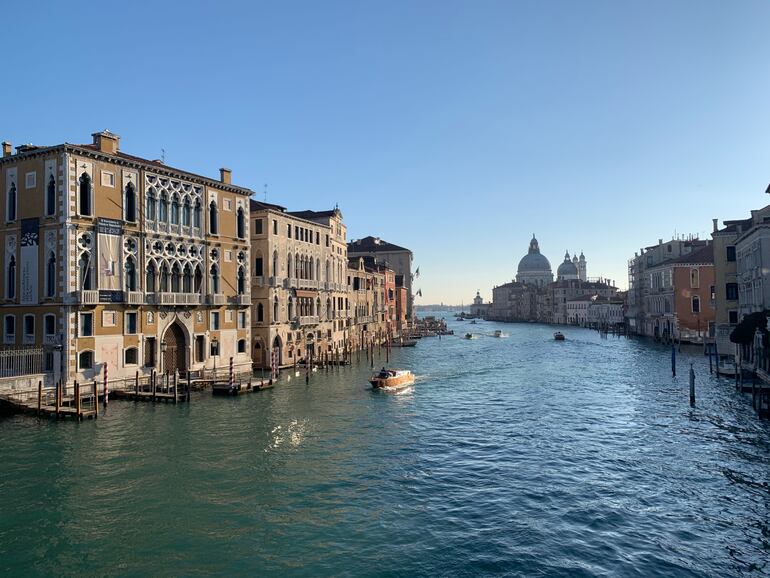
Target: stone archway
pixel 174 356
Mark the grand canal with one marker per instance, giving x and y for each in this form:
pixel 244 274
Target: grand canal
pixel 514 456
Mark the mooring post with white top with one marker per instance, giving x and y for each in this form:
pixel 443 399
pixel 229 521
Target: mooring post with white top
pixel 692 385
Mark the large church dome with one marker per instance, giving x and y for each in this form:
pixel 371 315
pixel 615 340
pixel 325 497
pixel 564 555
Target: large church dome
pixel 568 269
pixel 534 267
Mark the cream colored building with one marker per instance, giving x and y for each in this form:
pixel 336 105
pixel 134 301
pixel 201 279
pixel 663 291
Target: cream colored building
pixel 300 304
pixel 112 259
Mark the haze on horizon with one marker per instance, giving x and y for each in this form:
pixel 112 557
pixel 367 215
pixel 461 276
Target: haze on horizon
pixel 456 129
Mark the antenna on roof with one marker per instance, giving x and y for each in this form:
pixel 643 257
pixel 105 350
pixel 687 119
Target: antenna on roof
pixel 163 156
pixel 265 192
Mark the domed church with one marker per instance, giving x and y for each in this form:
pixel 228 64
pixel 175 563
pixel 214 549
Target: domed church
pixel 534 268
pixel 574 268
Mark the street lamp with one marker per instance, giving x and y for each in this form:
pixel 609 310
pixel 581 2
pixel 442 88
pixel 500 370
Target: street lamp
pixel 163 346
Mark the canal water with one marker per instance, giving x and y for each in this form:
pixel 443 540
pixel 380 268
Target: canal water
pixel 516 456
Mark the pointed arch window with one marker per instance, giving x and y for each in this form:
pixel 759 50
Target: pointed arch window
pixel 84 194
pixel 130 274
pixel 289 266
pixel 150 278
pixel 129 203
pixel 50 275
pixel 275 311
pixel 164 278
pixel 198 279
pixel 186 212
pixel 175 278
pixel 187 280
pixel 10 287
pixel 214 279
pixel 260 313
pixel 275 264
pixel 163 208
pixel 10 210
pixel 151 202
pixel 174 210
pixel 197 214
pixel 213 219
pixel 50 196
pixel 241 281
pixel 86 278
pixel 241 224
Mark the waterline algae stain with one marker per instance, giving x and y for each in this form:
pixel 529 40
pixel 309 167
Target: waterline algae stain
pixel 518 456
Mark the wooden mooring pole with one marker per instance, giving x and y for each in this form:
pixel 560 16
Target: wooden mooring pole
pixel 673 360
pixel 96 398
pixel 692 385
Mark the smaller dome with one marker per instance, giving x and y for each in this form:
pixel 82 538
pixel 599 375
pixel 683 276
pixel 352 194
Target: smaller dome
pixel 568 268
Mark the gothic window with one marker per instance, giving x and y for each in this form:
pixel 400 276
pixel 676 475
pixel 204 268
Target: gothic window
pixel 214 279
pixel 241 224
pixel 241 281
pixel 10 211
pixel 275 310
pixel 164 278
pixel 130 274
pixel 85 194
pixel 175 277
pixel 150 280
pixel 174 210
pixel 151 204
pixel 50 196
pixel 213 219
pixel 289 266
pixel 197 214
pixel 694 278
pixel 318 270
pixel 86 278
pixel 275 264
pixel 260 313
pixel 258 267
pixel 310 269
pixel 50 275
pixel 186 212
pixel 198 279
pixel 187 280
pixel 130 203
pixel 10 287
pixel 163 208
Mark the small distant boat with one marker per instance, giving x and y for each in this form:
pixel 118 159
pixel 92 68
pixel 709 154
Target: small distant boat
pixel 401 342
pixel 392 379
pixel 225 389
pixel 727 367
pixel 469 336
pixel 558 336
pixel 473 322
pixel 498 333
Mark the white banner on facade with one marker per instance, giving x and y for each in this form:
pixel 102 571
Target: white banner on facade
pixel 30 243
pixel 109 240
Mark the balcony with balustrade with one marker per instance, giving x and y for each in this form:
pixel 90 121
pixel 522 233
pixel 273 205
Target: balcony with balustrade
pixel 216 299
pixel 88 296
pixel 243 300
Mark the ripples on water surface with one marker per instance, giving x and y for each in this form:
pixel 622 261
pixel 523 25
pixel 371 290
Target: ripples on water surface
pixel 518 456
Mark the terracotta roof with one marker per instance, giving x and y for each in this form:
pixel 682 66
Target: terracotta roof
pixel 704 255
pixel 260 206
pixel 310 215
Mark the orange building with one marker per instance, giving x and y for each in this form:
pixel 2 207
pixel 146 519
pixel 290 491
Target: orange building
pixel 681 301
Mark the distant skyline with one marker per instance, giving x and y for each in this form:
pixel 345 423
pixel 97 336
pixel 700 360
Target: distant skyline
pixel 453 128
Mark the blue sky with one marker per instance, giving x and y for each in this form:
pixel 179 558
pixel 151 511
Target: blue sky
pixel 454 128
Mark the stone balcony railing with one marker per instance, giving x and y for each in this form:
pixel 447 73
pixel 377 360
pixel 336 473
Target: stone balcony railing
pixel 306 320
pixel 134 297
pixel 174 298
pixel 275 281
pixel 259 281
pixel 88 296
pixel 243 299
pixel 216 299
pixel 364 319
pixel 307 283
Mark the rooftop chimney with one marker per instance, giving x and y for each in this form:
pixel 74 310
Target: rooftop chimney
pixel 226 176
pixel 716 226
pixel 106 141
pixel 660 241
pixel 6 148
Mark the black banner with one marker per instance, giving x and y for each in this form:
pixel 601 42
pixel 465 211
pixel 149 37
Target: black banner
pixel 109 227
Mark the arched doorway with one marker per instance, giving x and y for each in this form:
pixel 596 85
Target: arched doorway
pixel 175 348
pixel 277 351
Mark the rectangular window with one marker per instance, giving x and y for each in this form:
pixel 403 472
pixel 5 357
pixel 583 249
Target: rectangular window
pixel 200 348
pixel 228 256
pixel 241 320
pixel 49 325
pixel 29 328
pixel 696 304
pixel 730 253
pixel 10 329
pixel 228 204
pixel 317 238
pixel 131 356
pixel 275 227
pixel 731 291
pixel 108 179
pixel 732 316
pixel 257 226
pixel 288 231
pixel 327 240
pixel 131 322
pixel 241 346
pixel 228 316
pixel 297 233
pixel 30 180
pixel 215 320
pixel 108 319
pixel 258 267
pixel 86 325
pixel 149 352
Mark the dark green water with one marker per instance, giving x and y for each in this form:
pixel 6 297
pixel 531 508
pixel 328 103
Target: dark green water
pixel 519 456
